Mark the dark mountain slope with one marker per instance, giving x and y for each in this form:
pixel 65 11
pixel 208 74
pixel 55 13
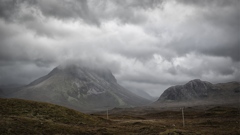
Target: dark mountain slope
pixel 197 90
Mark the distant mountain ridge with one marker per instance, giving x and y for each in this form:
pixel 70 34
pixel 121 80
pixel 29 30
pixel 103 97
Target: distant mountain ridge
pixel 197 90
pixel 82 88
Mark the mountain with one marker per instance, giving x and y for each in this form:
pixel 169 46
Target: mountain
pixel 144 94
pixel 82 88
pixel 197 90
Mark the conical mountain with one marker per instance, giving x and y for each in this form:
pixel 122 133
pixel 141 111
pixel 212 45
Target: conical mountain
pixel 82 88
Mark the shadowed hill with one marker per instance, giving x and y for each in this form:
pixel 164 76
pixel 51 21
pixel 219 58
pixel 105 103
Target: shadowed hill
pixel 201 93
pixel 29 117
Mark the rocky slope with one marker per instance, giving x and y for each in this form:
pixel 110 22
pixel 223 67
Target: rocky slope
pixel 80 88
pixel 197 90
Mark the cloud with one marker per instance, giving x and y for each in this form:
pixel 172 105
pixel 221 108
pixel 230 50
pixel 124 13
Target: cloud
pixel 72 9
pixel 148 44
pixel 211 3
pixel 133 12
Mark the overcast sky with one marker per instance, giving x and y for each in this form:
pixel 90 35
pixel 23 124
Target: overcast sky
pixel 148 44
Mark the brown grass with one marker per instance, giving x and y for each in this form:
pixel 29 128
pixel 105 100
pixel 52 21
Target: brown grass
pixel 29 117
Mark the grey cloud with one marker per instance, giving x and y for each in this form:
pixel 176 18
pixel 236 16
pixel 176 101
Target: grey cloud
pixel 12 8
pixel 59 9
pixel 139 3
pixel 225 48
pixel 90 12
pixel 227 71
pixel 229 50
pixel 147 76
pixel 95 62
pixel 22 53
pixel 68 10
pixel 8 8
pixel 209 3
pixel 15 48
pixel 123 36
pixel 139 54
pixel 19 73
pixel 217 66
pixel 129 11
pixel 213 31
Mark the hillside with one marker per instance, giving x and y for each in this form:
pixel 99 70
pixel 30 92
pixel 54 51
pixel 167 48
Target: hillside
pixel 202 92
pixel 29 117
pixel 82 88
pixel 23 117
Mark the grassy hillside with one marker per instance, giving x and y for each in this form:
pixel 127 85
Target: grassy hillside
pixel 28 117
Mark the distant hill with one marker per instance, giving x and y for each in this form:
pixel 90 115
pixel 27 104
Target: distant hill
pixel 144 94
pixel 30 117
pixel 2 94
pixel 197 91
pixel 8 90
pixel 82 88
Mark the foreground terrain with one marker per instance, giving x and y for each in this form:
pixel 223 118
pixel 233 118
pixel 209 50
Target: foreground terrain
pixel 29 117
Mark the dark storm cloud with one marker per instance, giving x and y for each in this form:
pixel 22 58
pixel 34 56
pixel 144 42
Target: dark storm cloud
pixel 10 8
pixel 129 11
pixel 125 10
pixel 7 8
pixel 225 17
pixel 146 4
pixel 222 47
pixel 209 3
pixel 72 9
pixel 34 14
pixel 214 30
pixel 232 50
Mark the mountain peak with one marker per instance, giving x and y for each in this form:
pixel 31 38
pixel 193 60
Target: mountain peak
pixel 82 70
pixel 194 89
pixel 80 87
pixel 195 80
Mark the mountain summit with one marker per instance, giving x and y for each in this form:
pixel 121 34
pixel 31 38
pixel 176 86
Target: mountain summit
pixel 197 90
pixel 194 89
pixel 82 88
